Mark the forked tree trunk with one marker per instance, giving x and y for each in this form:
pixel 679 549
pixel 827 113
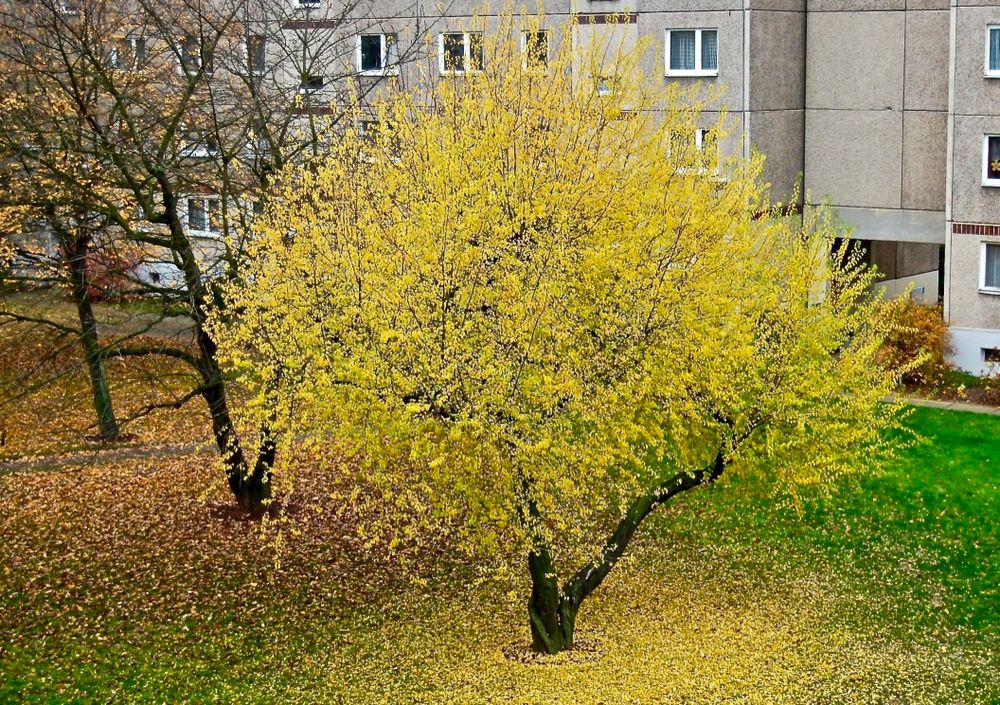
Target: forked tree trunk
pixel 552 610
pixel 552 613
pixel 76 250
pixel 250 484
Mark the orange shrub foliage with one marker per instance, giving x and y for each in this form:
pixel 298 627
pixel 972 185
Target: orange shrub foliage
pixel 919 344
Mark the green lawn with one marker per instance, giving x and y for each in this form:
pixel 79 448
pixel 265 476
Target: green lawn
pixel 132 584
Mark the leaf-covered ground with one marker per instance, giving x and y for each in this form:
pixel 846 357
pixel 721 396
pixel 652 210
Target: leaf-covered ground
pixel 46 407
pixel 133 581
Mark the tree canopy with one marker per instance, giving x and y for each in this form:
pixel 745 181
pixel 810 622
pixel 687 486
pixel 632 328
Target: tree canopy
pixel 531 311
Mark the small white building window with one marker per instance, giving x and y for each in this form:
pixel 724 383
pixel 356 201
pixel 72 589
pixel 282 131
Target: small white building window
pixel 991 160
pixel 993 51
pixel 196 146
pixel 692 52
pixel 461 52
pixel 311 84
pixel 989 268
pixel 376 54
pixel 128 54
pixel 703 139
pixel 204 215
pixel 535 45
pixel 195 56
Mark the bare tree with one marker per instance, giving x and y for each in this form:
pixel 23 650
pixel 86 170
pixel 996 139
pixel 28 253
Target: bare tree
pixel 152 129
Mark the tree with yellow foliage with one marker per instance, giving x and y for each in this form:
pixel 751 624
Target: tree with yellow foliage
pixel 535 312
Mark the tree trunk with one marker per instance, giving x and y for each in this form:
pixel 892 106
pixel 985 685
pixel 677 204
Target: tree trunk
pixel 250 486
pixel 76 253
pixel 552 610
pixel 551 613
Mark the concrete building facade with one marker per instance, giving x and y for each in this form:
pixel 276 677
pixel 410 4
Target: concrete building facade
pixel 887 109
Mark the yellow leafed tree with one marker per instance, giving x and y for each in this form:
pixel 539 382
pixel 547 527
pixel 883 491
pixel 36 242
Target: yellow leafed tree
pixel 536 311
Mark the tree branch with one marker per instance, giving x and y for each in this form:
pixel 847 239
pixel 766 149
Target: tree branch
pixel 588 578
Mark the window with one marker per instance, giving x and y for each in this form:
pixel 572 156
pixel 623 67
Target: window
pixel 989 268
pixel 993 51
pixel 256 45
pixel 703 139
pixel 535 45
pixel 194 146
pixel 367 128
pixel 461 52
pixel 310 84
pixel 307 3
pixel 194 56
pixel 377 54
pixel 605 86
pixel 991 355
pixel 692 52
pixel 128 54
pixel 204 215
pixel 991 160
pixel 695 152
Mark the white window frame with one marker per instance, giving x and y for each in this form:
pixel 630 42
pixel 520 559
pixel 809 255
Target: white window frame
pixel 983 289
pixel 699 137
pixel 197 60
pixel 125 57
pixel 986 61
pixel 207 210
pixel 987 181
pixel 524 49
pixel 198 149
pixel 698 70
pixel 466 58
pixel 307 4
pixel 389 68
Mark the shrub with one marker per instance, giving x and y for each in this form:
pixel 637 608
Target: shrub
pixel 991 386
pixel 918 345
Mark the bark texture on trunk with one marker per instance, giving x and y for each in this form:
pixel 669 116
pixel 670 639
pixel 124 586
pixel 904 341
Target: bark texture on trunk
pixel 552 614
pixel 76 251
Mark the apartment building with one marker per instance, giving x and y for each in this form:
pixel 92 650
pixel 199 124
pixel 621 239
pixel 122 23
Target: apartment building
pixel 887 109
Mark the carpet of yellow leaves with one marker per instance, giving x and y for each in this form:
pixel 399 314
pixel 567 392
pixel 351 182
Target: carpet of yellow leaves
pixel 135 581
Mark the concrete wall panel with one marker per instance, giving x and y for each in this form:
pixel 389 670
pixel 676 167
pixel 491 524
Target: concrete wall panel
pixel 779 136
pixel 925 151
pixel 926 60
pixel 855 60
pixel 777 60
pixel 854 157
pixel 971 201
pixel 855 5
pixel 967 306
pixel 974 93
pixel 730 25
